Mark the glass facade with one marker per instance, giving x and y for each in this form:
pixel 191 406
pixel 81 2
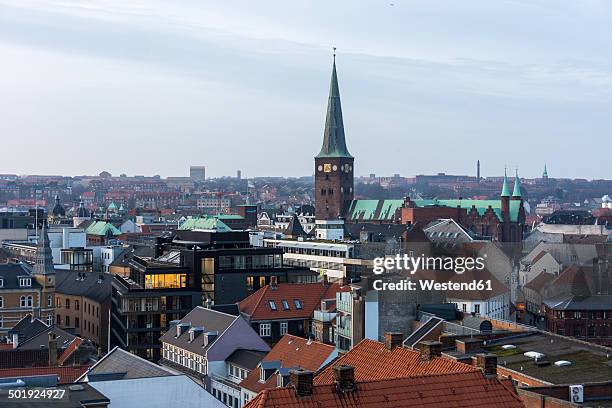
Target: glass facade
pixel 165 280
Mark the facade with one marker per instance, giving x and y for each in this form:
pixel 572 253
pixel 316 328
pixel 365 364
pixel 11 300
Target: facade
pixel 197 173
pixel 285 308
pixel 203 345
pixel 82 304
pixel 350 318
pixel 334 164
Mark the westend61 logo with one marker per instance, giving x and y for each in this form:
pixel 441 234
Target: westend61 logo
pixel 411 264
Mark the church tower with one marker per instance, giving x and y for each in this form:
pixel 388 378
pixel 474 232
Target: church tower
pixel 44 273
pixel 334 164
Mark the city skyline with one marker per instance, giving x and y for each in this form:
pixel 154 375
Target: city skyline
pixel 141 84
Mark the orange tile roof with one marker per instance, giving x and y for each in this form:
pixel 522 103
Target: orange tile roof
pixel 454 390
pixel 540 281
pixel 257 305
pixel 372 361
pixel 292 352
pixel 66 375
pixel 69 350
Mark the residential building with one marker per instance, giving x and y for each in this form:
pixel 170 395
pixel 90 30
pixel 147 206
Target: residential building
pixel 200 345
pixel 82 304
pixel 285 308
pixel 291 352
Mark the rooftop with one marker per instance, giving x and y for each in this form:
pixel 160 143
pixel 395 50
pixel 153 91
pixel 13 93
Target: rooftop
pixel 427 391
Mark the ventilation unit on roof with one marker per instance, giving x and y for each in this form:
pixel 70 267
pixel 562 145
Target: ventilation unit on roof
pixel 576 393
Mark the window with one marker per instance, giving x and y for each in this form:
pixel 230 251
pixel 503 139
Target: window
pixel 1 282
pixel 1 301
pixel 25 301
pixel 284 326
pixel 265 329
pixel 49 320
pixel 1 321
pixel 272 305
pixel 477 309
pixel 25 282
pixel 49 300
pixel 67 320
pixel 76 322
pixel 76 305
pixel 298 304
pixel 67 303
pixel 285 304
pixel 464 307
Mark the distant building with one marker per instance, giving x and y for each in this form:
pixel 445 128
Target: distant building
pixel 197 173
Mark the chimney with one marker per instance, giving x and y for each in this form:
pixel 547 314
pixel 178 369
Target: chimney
pixel 273 282
pixel 430 349
pixel 469 345
pixel 393 340
pixel 344 377
pixel 52 350
pixel 487 363
pixel 302 381
pixel 209 303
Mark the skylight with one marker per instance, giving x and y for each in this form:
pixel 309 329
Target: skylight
pixel 298 304
pixel 285 304
pixel 272 305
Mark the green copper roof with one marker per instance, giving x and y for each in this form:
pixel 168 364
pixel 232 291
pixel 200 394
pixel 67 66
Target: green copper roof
pixel 205 223
pixel 517 186
pixel 102 228
pixel 545 174
pixel 505 189
pixel 334 142
pixel 112 206
pixel 384 210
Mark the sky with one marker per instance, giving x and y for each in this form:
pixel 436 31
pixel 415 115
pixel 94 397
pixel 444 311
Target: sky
pixel 152 87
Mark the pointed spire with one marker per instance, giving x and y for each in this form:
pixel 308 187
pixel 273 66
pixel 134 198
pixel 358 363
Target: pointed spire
pixel 545 174
pixel 334 142
pixel 517 186
pixel 44 258
pixel 505 189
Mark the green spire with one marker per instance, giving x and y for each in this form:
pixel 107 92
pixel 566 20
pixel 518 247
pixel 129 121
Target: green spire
pixel 517 186
pixel 505 189
pixel 545 174
pixel 334 143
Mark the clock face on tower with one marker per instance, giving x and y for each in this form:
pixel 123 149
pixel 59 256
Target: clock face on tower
pixel 327 168
pixel 320 168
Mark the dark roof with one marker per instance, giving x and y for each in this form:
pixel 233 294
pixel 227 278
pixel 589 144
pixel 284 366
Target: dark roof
pixel 200 317
pixel 10 274
pixel 231 309
pixel 538 283
pixel 246 358
pixel 76 396
pixel 294 229
pixel 27 328
pixel 92 285
pixel 41 339
pixel 570 302
pixel 120 364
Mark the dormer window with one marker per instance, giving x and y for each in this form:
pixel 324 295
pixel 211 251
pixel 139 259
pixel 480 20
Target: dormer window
pixel 25 282
pixel 262 374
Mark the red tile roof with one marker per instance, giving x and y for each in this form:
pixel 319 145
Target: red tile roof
pixel 69 350
pixel 372 361
pixel 538 283
pixel 454 390
pixel 258 307
pixel 66 375
pixel 292 352
pixel 538 257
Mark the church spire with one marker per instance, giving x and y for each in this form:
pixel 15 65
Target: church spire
pixel 44 258
pixel 517 186
pixel 334 143
pixel 505 189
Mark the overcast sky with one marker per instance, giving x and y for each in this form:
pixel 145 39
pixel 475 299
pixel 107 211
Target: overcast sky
pixel 151 87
